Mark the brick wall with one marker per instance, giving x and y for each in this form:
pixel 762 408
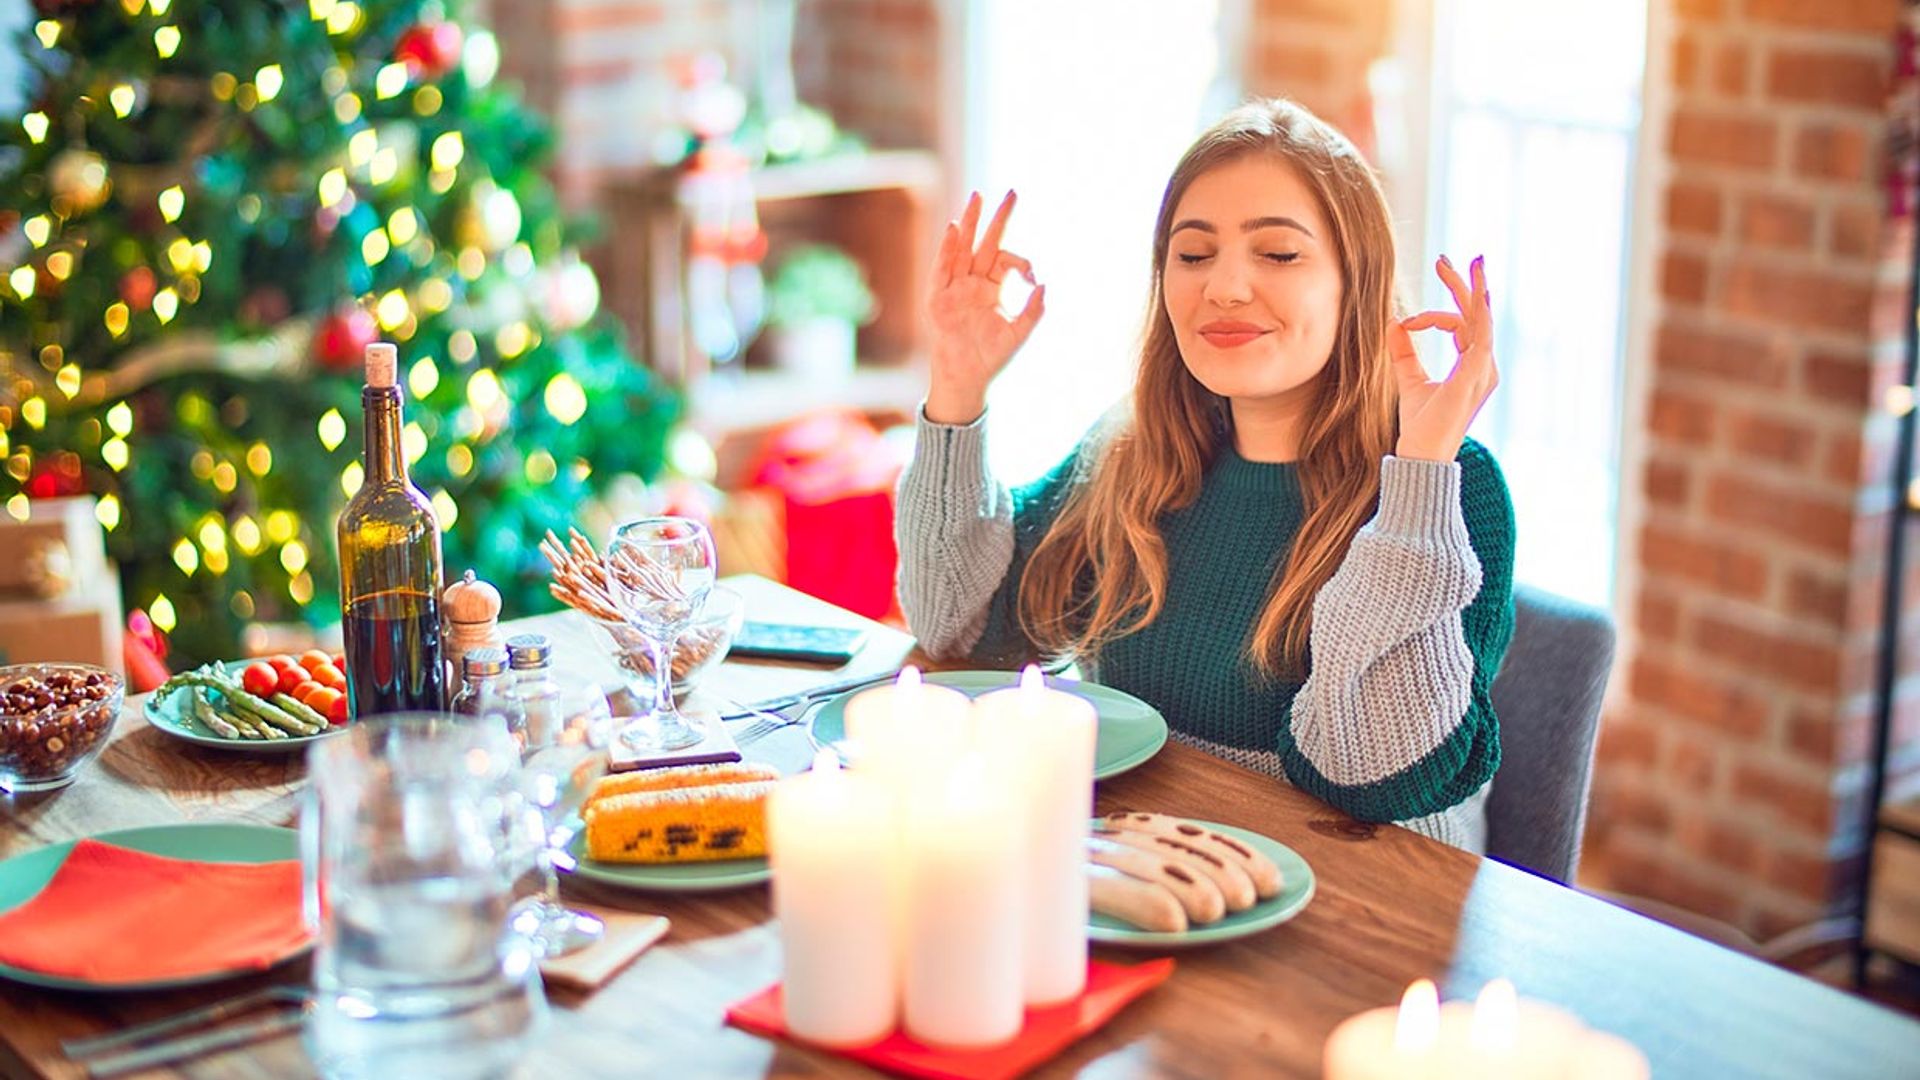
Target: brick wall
pixel 1731 769
pixel 1317 53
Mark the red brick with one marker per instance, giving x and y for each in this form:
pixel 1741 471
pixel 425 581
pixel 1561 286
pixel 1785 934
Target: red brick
pixel 1700 10
pixel 1705 137
pixel 1771 437
pixel 1797 662
pixel 1876 18
pixel 1826 77
pixel 1855 233
pixel 1889 314
pixel 1289 63
pixel 1845 456
pixel 1692 761
pixel 1819 739
pixel 1715 701
pixel 1686 59
pixel 1833 152
pixel 1709 561
pixel 1693 208
pixel 1842 378
pixel 1734 357
pixel 1658 615
pixel 1820 598
pixel 1667 483
pixel 1797 299
pixel 1634 806
pixel 1786 795
pixel 1820 524
pixel 572 19
pixel 1776 222
pixel 1683 277
pixel 1680 418
pixel 1628 741
pixel 1809 877
pixel 1673 882
pixel 1718 843
pixel 1731 64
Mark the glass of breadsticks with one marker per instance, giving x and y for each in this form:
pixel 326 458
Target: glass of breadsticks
pixel 577 573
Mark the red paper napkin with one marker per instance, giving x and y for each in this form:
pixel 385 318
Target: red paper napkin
pixel 1047 1031
pixel 114 915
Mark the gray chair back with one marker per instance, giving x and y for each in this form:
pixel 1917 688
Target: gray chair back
pixel 1547 698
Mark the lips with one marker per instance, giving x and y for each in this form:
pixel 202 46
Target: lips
pixel 1231 333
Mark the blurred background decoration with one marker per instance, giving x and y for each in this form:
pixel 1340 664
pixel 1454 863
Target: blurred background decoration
pixel 209 209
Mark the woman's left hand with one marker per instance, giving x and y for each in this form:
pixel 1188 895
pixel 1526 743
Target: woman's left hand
pixel 1435 414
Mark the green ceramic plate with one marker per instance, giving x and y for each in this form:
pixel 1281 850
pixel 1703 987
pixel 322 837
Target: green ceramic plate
pixel 1131 731
pixel 668 877
pixel 171 715
pixel 1296 889
pixel 23 876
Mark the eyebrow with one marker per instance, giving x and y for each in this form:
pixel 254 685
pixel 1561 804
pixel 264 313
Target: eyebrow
pixel 1249 225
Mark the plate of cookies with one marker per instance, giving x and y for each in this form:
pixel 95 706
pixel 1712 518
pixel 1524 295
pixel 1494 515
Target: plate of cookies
pixel 686 828
pixel 1158 881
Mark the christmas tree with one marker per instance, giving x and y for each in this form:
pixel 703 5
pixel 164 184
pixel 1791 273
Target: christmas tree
pixel 208 210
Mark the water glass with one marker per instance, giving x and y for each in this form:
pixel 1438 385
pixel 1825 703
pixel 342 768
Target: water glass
pixel 410 836
pixel 662 568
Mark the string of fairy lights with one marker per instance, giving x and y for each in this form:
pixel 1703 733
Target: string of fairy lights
pixel 488 232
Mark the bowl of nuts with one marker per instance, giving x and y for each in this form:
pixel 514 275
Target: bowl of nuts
pixel 53 719
pixel 700 648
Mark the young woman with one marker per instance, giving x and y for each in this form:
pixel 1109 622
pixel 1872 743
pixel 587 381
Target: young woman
pixel 1286 544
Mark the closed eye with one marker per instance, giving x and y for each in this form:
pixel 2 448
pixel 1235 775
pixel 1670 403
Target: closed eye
pixel 1192 259
pixel 1282 257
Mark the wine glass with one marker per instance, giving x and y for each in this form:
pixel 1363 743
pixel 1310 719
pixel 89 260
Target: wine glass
pixel 563 729
pixel 662 569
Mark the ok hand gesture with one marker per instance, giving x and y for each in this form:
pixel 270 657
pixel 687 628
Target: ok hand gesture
pixel 1434 415
pixel 973 339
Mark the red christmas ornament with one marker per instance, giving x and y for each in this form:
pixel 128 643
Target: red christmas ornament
pixel 137 288
pixel 56 476
pixel 343 338
pixel 430 49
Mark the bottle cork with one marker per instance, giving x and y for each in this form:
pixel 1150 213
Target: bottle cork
pixel 383 361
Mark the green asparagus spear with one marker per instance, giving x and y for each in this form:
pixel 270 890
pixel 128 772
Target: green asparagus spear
pixel 300 710
pixel 203 712
pixel 238 700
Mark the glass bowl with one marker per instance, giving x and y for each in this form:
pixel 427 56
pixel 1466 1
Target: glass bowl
pixel 701 648
pixel 54 718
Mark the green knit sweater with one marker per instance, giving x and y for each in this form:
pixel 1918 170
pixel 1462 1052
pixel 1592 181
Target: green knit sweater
pixel 1222 551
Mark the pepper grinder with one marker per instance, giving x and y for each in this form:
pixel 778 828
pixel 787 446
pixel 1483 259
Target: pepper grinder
pixel 472 609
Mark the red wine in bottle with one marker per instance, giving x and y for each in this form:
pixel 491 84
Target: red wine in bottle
pixel 390 566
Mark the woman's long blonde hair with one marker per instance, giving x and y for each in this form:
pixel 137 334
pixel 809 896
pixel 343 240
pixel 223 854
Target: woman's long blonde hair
pixel 1101 571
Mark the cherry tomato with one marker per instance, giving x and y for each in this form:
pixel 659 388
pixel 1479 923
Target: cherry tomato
pixel 322 700
pixel 291 677
pixel 313 658
pixel 282 662
pixel 340 661
pixel 260 678
pixel 306 690
pixel 337 712
pixel 328 675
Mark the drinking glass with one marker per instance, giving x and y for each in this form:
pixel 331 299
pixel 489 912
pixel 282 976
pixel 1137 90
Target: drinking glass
pixel 562 729
pixel 663 568
pixel 407 831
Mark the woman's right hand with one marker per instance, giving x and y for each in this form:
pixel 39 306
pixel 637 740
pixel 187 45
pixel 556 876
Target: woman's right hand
pixel 972 337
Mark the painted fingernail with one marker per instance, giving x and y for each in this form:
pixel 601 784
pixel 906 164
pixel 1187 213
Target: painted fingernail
pixel 1446 261
pixel 1478 260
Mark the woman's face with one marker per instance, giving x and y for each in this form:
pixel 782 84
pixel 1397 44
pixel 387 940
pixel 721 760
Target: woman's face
pixel 1252 280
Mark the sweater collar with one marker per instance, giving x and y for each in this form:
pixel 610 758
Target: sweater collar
pixel 1232 471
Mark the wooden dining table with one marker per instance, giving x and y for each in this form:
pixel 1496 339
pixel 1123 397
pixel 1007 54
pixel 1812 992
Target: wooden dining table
pixel 1390 907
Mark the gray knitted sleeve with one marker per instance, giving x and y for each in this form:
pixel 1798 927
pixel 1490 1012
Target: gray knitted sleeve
pixel 1386 726
pixel 954 528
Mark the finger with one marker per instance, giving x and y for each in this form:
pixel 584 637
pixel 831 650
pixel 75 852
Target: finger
pixel 1407 370
pixel 943 259
pixel 1029 316
pixel 1462 295
pixel 989 251
pixel 1480 315
pixel 1427 320
pixel 1006 261
pixel 969 224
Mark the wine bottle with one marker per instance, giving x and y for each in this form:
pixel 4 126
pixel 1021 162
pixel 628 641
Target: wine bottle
pixel 390 566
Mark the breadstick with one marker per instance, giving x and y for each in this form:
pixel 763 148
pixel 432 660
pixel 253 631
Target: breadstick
pixel 1142 903
pixel 1197 893
pixel 1263 871
pixel 1234 883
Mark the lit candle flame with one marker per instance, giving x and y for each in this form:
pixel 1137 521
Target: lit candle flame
pixel 1031 681
pixel 909 678
pixel 1494 1016
pixel 1418 1025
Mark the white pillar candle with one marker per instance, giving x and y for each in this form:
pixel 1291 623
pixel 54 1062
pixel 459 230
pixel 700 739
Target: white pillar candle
pixel 962 930
pixel 1042 742
pixel 908 728
pixel 831 843
pixel 1499 1035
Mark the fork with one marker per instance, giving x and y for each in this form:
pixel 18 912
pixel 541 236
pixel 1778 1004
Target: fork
pixel 121 1051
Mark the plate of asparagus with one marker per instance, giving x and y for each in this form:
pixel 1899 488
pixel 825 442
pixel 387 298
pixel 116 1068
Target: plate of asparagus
pixel 209 707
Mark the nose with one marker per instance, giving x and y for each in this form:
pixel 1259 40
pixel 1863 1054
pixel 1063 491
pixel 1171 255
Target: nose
pixel 1228 284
